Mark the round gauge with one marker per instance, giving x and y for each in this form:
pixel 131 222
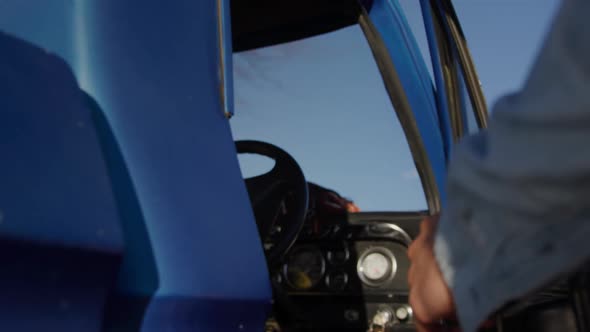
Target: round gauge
pixel 376 266
pixel 305 268
pixel 338 256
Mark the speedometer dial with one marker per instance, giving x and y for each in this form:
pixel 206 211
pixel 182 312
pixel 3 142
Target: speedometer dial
pixel 304 268
pixel 376 266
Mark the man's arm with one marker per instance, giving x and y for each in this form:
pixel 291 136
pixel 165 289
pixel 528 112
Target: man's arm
pixel 519 193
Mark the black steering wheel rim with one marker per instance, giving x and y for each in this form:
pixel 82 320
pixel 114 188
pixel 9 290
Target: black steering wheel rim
pixel 285 176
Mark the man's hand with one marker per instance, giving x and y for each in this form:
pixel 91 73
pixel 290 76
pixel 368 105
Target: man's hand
pixel 430 297
pixel 328 201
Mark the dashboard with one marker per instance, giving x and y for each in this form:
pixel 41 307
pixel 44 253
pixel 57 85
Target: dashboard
pixel 335 269
pixel 347 272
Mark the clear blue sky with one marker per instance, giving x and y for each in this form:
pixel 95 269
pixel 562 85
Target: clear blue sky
pixel 364 156
pixel 322 100
pixel 504 36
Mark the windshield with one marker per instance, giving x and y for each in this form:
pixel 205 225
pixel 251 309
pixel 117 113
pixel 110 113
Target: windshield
pixel 322 99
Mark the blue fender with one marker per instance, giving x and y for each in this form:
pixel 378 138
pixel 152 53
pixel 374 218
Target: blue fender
pixel 61 242
pixel 164 176
pixel 156 72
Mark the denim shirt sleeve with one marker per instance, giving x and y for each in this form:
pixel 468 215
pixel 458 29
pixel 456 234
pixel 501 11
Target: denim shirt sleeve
pixel 518 211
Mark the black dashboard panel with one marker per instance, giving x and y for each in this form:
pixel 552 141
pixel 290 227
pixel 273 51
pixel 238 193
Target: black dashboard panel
pixel 339 274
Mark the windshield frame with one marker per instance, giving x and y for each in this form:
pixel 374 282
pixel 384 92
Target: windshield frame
pixel 403 109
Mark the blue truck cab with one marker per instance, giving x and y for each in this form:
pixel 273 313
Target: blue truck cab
pixel 128 197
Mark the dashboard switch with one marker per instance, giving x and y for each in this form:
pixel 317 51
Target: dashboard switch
pixel 403 313
pixel 382 319
pixel 338 256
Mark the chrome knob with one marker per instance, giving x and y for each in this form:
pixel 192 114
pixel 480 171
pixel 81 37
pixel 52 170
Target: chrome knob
pixel 382 317
pixel 381 320
pixel 403 313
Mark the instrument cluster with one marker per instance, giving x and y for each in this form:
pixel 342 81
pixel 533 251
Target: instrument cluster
pixel 346 267
pixel 340 257
pixel 339 275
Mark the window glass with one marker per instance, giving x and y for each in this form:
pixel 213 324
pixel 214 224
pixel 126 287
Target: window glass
pixel 322 99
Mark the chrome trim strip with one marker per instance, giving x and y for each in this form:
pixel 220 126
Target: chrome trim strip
pixel 225 57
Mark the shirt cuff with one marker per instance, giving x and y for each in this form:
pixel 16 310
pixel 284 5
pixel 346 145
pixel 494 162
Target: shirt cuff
pixel 512 257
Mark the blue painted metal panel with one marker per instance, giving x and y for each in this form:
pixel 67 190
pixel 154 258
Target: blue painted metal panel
pixel 138 276
pixel 467 112
pixel 441 90
pixel 54 181
pixel 154 70
pixel 390 22
pixel 60 241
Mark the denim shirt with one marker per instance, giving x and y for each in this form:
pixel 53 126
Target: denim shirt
pixel 518 211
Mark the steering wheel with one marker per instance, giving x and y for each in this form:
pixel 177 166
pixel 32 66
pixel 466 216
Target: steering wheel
pixel 268 192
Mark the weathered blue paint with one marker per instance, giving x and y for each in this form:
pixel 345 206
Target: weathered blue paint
pixel 60 236
pixel 463 97
pixel 139 178
pixel 156 73
pixel 388 18
pixel 441 90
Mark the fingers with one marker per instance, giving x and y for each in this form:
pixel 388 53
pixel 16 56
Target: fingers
pixel 430 298
pixel 412 250
pixel 332 202
pixel 436 325
pixel 419 245
pixel 425 225
pixel 429 224
pixel 352 208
